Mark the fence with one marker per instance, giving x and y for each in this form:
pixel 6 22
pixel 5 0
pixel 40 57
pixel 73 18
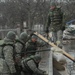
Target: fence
pixel 3 32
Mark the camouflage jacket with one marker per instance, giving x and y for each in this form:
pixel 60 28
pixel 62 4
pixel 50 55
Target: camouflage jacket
pixel 55 18
pixel 31 46
pixel 9 55
pixel 20 49
pixel 29 65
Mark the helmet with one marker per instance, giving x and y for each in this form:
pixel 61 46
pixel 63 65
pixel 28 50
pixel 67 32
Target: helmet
pixel 23 36
pixel 34 37
pixel 11 35
pixel 52 6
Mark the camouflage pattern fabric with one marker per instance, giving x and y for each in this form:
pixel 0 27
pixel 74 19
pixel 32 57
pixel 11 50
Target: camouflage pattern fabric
pixel 54 24
pixel 4 70
pixel 57 36
pixel 19 46
pixel 20 50
pixel 7 63
pixel 30 64
pixel 55 18
pixel 33 46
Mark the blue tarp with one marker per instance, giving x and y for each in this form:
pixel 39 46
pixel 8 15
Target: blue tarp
pixel 70 22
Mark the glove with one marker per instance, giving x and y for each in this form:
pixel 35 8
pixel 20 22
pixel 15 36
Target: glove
pixel 47 30
pixel 57 42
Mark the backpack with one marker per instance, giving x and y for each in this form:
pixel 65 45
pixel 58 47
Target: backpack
pixel 2 45
pixel 3 65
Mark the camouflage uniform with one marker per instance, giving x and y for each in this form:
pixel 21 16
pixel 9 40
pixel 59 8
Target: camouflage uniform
pixel 30 65
pixel 33 46
pixel 8 64
pixel 55 18
pixel 20 47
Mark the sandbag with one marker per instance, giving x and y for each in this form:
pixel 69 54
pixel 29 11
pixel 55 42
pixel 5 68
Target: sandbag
pixel 69 33
pixel 58 55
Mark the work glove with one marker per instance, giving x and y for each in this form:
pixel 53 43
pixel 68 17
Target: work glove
pixel 55 49
pixel 59 44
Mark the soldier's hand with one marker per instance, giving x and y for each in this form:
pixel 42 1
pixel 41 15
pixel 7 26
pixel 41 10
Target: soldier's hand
pixel 47 31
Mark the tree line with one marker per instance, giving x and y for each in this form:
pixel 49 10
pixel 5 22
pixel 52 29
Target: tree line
pixel 33 12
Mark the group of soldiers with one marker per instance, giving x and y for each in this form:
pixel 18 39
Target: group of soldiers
pixel 14 59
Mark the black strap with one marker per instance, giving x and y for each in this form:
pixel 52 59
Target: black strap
pixel 14 52
pixel 27 67
pixel 20 42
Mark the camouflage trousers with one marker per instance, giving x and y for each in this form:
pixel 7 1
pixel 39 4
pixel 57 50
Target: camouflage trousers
pixel 56 36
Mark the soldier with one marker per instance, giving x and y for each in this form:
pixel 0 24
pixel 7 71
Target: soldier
pixel 33 44
pixel 30 66
pixel 8 64
pixel 55 19
pixel 20 50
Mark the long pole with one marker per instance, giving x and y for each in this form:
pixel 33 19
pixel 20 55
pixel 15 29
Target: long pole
pixel 53 45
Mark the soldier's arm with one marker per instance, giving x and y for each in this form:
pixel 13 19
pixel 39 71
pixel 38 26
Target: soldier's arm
pixel 8 54
pixel 48 21
pixel 48 24
pixel 33 67
pixel 18 49
pixel 63 19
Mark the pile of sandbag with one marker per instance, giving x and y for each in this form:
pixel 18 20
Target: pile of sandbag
pixel 59 59
pixel 69 33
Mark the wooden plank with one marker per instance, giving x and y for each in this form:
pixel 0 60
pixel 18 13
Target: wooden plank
pixel 52 44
